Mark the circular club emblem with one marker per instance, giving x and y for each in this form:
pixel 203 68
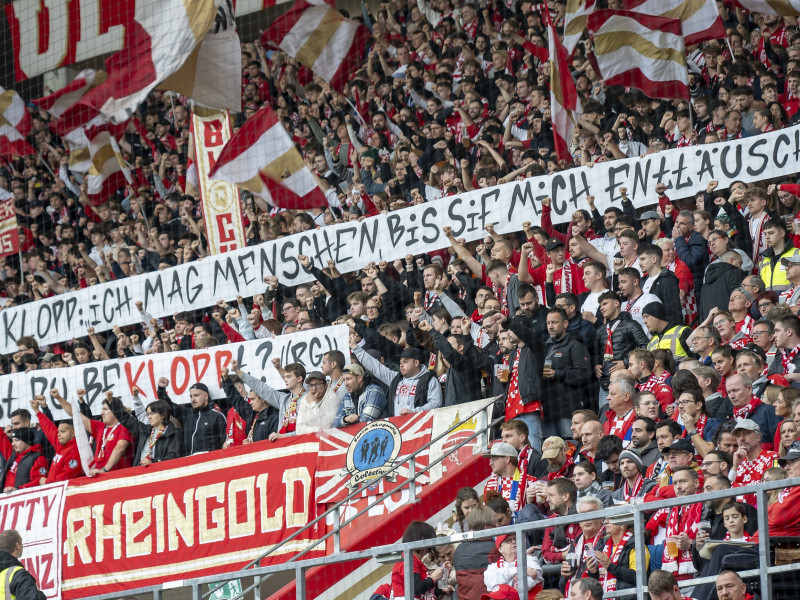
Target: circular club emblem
pixel 373 451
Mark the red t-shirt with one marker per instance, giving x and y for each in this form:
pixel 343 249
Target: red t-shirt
pixel 67 461
pixel 106 439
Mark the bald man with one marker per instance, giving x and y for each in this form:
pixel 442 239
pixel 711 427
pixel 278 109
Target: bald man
pixel 591 432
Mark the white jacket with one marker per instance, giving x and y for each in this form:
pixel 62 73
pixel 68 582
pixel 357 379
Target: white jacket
pixel 503 572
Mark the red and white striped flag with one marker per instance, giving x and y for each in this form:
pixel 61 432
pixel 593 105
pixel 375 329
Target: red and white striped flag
pixel 164 34
pixel 320 38
pixel 782 8
pixel 262 158
pixel 575 22
pixel 636 50
pixel 65 104
pixel 15 124
pixel 80 156
pixel 700 20
pixel 211 76
pixel 107 171
pixel 565 107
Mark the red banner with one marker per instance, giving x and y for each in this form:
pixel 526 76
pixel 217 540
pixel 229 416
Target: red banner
pixel 360 453
pixel 190 517
pixel 9 234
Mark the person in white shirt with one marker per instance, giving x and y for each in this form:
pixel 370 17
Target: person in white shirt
pixel 317 409
pixel 635 299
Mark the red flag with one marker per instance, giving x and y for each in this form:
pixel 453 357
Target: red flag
pixel 564 103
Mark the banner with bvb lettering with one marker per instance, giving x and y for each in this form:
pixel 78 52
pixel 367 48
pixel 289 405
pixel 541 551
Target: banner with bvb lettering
pixel 182 368
pixel 413 230
pixel 222 211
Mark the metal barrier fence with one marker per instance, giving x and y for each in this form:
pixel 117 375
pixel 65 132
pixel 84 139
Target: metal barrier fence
pixel 405 550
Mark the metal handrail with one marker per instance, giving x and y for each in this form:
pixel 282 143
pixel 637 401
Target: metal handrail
pixel 410 482
pixel 638 511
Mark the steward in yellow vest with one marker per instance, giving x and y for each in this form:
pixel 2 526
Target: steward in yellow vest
pixel 770 269
pixel 666 335
pixel 15 582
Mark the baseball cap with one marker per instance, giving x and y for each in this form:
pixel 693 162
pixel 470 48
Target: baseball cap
pixel 552 446
pixel 316 375
pixel 410 353
pixel 552 244
pixel 747 425
pixel 500 539
pixel 353 369
pixel 626 519
pixel 792 454
pixel 794 260
pixel 682 445
pixel 503 449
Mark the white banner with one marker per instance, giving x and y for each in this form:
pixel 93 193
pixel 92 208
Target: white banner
pixel 413 230
pixel 182 368
pixel 222 212
pixel 36 514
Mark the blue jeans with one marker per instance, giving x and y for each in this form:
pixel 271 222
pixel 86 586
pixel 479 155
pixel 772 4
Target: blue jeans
pixel 534 423
pixel 560 427
pixel 603 401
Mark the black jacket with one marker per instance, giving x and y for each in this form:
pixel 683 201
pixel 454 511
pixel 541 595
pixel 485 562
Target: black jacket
pixel 266 421
pixel 626 577
pixel 571 385
pixel 720 280
pixel 203 430
pixel 168 445
pixel 667 288
pixel 627 336
pixel 695 254
pixel 531 361
pixel 464 377
pixel 23 585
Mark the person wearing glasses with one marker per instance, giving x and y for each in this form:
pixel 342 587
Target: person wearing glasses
pixel 763 335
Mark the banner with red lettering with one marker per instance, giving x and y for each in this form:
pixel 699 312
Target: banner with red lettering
pixel 189 517
pixel 182 369
pixel 9 234
pixel 36 514
pixel 366 451
pixel 222 211
pixel 49 34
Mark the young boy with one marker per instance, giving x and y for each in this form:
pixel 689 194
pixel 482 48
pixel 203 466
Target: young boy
pixel 504 571
pixel 734 516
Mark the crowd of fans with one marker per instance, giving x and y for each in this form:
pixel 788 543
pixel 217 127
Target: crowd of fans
pixel 642 353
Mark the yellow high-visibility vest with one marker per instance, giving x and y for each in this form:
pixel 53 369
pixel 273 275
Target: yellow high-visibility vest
pixel 6 576
pixel 669 341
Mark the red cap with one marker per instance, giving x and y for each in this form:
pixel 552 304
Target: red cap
pixel 504 592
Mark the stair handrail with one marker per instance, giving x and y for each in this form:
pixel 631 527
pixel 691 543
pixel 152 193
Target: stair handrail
pixel 410 482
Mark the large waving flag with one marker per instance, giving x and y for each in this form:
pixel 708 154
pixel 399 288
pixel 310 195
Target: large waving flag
pixel 782 8
pixel 640 51
pixel 564 103
pixel 65 104
pixel 15 124
pixel 700 20
pixel 262 158
pixel 164 34
pixel 211 76
pixel 575 22
pixel 78 142
pixel 319 37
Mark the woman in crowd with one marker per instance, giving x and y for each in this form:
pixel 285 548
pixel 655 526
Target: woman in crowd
pixel 467 499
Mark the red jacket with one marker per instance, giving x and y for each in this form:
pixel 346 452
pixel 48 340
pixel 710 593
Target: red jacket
pixel 67 461
pixel 784 515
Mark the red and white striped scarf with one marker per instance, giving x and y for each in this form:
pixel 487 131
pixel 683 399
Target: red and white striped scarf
pixel 682 519
pixel 787 359
pixel 748 409
pixel 607 579
pixel 430 299
pixel 747 325
pixel 629 493
pixel 757 235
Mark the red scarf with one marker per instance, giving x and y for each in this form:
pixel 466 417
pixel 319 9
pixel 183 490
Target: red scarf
pixel 745 536
pixel 289 423
pixel 700 426
pixel 563 471
pixel 502 295
pixel 787 359
pixel 682 519
pixel 430 299
pixel 747 325
pixel 513 397
pixel 608 353
pixel 748 409
pixel 607 579
pixel 629 493
pixel 512 489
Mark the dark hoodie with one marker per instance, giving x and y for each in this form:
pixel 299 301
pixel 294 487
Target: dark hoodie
pixel 720 281
pixel 566 392
pixel 23 585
